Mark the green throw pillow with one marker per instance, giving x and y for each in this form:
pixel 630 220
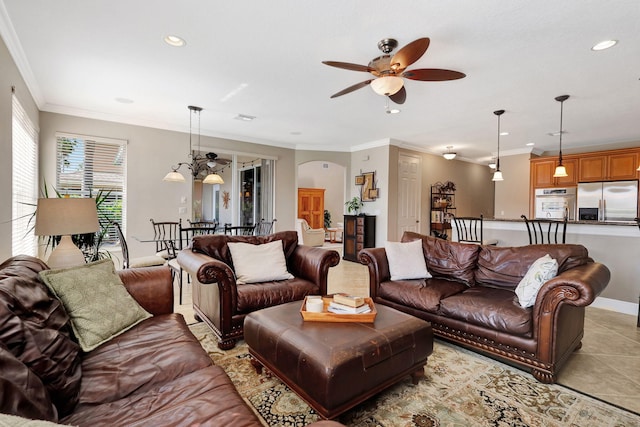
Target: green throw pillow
pixel 99 305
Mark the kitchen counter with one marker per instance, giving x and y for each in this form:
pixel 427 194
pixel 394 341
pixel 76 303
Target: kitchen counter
pixel 624 223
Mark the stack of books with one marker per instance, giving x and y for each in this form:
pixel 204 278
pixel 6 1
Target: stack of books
pixel 348 304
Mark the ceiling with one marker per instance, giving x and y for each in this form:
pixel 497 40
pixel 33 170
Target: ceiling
pixel 263 59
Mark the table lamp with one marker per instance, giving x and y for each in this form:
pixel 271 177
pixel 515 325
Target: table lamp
pixel 65 217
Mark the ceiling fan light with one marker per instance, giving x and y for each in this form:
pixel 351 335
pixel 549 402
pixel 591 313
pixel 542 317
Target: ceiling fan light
pixel 173 176
pixel 213 178
pixel 560 172
pixel 387 85
pixel 497 176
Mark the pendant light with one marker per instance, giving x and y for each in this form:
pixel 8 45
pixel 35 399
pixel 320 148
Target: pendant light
pixel 561 171
pixel 450 154
pixel 497 175
pixel 198 163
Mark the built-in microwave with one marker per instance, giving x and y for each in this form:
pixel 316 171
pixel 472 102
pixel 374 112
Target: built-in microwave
pixel 555 203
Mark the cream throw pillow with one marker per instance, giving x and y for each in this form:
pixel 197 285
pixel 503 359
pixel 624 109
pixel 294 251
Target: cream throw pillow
pixel 406 260
pixel 259 263
pixel 543 269
pixel 98 304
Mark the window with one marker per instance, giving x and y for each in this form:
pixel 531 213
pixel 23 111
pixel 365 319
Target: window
pixel 94 167
pixel 24 137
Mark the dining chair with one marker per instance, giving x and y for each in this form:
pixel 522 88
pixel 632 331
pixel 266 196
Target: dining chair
pixel 543 231
pixel 470 230
pixel 166 235
pixel 146 261
pixel 203 224
pixel 264 227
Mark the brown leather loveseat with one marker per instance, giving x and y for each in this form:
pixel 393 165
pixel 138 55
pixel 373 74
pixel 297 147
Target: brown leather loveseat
pixel 223 304
pixel 471 300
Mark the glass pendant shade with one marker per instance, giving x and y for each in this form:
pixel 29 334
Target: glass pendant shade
pixel 387 85
pixel 173 176
pixel 213 178
pixel 449 156
pixel 497 176
pixel 560 172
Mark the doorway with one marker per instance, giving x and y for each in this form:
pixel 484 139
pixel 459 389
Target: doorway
pixel 331 177
pixel 409 193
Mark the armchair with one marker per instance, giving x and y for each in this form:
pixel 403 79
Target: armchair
pixel 223 304
pixel 307 235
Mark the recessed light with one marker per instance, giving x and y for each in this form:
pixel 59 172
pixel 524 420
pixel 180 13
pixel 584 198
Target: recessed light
pixel 504 133
pixel 530 144
pixel 605 44
pixel 124 100
pixel 175 41
pixel 393 111
pixel 244 117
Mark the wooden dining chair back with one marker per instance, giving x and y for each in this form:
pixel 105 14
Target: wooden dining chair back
pixel 264 227
pixel 166 235
pixel 546 231
pixel 127 262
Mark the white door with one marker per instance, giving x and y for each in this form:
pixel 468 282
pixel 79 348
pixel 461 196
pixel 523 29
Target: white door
pixel 409 192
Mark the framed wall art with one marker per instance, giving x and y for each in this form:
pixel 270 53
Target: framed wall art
pixel 359 179
pixel 368 184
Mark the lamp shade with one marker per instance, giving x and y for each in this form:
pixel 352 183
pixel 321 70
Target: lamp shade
pixel 66 216
pixel 213 178
pixel 497 176
pixel 173 176
pixel 387 85
pixel 560 172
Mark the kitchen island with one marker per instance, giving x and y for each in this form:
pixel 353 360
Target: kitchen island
pixel 615 244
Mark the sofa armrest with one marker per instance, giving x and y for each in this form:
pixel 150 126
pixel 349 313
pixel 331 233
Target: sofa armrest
pixel 313 264
pixel 152 287
pixel 208 270
pixel 376 260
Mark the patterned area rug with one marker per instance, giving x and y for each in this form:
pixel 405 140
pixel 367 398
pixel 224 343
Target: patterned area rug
pixel 461 388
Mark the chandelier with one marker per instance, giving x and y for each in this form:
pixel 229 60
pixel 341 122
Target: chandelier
pixel 198 164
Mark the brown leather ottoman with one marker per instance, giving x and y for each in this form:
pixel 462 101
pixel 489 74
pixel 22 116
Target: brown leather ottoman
pixel 335 366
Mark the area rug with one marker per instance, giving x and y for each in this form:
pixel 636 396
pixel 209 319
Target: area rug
pixel 461 388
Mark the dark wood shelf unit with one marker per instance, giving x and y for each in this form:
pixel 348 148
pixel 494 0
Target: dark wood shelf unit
pixel 359 233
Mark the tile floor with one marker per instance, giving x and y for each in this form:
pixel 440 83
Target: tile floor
pixel 607 366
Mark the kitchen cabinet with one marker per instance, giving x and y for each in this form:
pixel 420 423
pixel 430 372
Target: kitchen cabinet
pixel 542 171
pixel 359 233
pixel 311 206
pixel 608 167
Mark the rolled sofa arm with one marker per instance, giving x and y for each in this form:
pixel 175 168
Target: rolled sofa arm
pixel 577 286
pixel 152 287
pixel 313 264
pixel 376 260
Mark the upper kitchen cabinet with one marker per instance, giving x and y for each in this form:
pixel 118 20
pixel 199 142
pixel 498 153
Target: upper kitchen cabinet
pixel 542 170
pixel 609 166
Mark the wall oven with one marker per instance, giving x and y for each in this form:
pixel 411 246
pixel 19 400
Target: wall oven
pixel 555 203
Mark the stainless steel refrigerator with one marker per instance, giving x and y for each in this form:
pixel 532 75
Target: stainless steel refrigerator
pixel 608 201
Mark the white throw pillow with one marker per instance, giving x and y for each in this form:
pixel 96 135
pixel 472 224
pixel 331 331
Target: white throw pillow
pixel 259 263
pixel 542 270
pixel 406 260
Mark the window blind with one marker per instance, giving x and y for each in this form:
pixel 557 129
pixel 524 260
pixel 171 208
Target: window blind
pixel 94 167
pixel 24 181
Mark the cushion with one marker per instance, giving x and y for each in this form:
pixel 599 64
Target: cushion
pixel 542 270
pixel 35 328
pixel 406 260
pixel 259 263
pixel 97 302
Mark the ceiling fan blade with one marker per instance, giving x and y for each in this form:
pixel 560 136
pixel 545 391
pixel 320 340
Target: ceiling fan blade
pixel 400 96
pixel 352 88
pixel 349 66
pixel 432 74
pixel 409 54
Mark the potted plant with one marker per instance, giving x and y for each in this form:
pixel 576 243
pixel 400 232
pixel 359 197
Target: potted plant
pixel 355 204
pixel 327 219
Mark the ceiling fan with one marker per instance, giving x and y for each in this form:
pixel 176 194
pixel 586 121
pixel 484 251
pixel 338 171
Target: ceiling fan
pixel 389 70
pixel 213 160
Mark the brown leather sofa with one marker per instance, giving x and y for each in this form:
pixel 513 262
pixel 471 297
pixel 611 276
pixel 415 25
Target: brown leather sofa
pixel 222 304
pixel 154 374
pixel 471 300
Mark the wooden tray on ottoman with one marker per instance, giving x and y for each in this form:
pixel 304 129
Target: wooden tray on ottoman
pixel 327 316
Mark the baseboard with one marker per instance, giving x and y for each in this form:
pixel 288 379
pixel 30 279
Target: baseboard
pixel 616 305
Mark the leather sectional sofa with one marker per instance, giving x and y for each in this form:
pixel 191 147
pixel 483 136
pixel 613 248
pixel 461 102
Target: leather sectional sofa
pixel 471 300
pixel 153 374
pixel 223 305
